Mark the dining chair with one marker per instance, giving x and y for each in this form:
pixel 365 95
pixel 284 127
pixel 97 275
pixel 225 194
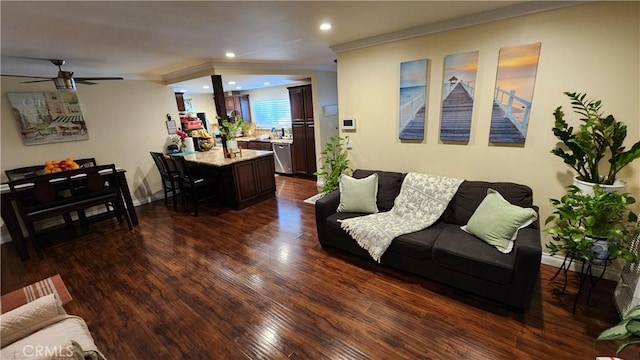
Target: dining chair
pixel 169 177
pixel 86 162
pixel 194 187
pixel 60 194
pixel 22 172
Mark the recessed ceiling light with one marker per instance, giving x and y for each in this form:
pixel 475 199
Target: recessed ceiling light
pixel 205 86
pixel 232 82
pixel 230 55
pixel 183 90
pixel 325 26
pixel 267 83
pixel 238 87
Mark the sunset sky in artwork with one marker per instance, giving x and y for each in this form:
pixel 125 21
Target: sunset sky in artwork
pixel 463 66
pixel 517 66
pixel 413 73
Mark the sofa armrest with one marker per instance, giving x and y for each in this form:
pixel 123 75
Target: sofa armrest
pixel 528 250
pixel 325 207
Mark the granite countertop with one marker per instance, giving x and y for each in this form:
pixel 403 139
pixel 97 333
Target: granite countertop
pixel 215 157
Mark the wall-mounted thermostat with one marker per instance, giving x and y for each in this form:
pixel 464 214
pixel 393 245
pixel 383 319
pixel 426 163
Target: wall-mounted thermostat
pixel 348 123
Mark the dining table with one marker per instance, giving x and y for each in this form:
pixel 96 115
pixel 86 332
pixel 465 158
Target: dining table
pixel 10 214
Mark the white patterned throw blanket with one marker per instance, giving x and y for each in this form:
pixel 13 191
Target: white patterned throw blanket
pixel 422 200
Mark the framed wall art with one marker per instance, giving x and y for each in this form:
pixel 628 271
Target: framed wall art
pixel 48 117
pixel 413 95
pixel 515 80
pixel 458 91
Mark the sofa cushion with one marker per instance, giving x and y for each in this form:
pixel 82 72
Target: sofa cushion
pixel 358 195
pixel 471 193
pixel 417 244
pixel 389 184
pixel 496 221
pixel 459 251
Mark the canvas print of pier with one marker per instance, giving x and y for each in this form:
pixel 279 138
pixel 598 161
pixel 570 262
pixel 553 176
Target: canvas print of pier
pixel 517 67
pixel 413 90
pixel 48 117
pixel 459 83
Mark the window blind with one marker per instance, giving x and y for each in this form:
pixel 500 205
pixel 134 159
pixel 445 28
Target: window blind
pixel 272 113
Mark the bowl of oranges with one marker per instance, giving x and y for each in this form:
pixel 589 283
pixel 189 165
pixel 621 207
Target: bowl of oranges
pixel 54 166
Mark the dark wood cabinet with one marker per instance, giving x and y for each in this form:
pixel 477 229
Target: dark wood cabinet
pixel 239 104
pixel 180 101
pixel 255 145
pixel 302 128
pixel 253 181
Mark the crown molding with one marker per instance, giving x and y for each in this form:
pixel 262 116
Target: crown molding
pixel 525 8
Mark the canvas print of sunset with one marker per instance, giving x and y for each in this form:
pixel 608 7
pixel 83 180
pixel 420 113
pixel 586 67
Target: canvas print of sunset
pixel 413 90
pixel 458 90
pixel 517 67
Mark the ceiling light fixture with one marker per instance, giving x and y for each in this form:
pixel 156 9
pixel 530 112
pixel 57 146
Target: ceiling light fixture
pixel 205 86
pixel 230 54
pixel 266 83
pixel 238 87
pixel 325 27
pixel 183 90
pixel 232 82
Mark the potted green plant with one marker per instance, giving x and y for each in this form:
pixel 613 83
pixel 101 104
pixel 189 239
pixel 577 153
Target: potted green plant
pixel 583 220
pixel 597 139
pixel 230 129
pixel 334 163
pixel 628 330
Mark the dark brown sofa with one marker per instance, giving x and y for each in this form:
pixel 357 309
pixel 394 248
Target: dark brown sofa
pixel 444 252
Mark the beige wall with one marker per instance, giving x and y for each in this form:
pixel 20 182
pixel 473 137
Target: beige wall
pixel 592 48
pixel 325 95
pixel 125 120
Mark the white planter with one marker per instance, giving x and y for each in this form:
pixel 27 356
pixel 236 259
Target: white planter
pixel 587 187
pixel 600 249
pixel 232 146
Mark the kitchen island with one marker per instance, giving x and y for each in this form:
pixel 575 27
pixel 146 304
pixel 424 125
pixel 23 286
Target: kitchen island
pixel 246 179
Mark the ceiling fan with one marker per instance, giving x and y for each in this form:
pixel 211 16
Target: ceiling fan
pixel 65 80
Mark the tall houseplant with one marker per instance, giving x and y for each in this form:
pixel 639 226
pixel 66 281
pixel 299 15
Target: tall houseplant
pixel 582 218
pixel 598 138
pixel 334 163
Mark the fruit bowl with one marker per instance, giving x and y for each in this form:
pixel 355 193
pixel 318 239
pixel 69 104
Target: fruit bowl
pixel 206 144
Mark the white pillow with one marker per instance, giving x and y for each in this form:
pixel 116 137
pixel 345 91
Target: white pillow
pixel 17 323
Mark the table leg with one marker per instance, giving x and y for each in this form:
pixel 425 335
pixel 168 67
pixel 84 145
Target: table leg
pixel 126 195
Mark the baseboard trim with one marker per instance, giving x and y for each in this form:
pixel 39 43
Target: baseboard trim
pixel 556 261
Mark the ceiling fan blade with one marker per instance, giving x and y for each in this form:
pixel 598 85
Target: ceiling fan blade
pixel 35 81
pixel 85 82
pixel 27 76
pixel 98 78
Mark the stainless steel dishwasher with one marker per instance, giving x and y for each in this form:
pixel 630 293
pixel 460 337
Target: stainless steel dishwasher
pixel 282 158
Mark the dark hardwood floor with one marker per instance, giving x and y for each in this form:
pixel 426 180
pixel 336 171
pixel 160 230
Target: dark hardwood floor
pixel 256 284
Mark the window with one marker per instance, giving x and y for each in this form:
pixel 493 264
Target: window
pixel 272 113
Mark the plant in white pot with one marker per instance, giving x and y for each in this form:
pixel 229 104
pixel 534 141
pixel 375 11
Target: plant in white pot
pixel 598 139
pixel 230 129
pixel 592 227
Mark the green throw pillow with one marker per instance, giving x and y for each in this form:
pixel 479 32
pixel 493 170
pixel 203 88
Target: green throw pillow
pixel 358 195
pixel 497 222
